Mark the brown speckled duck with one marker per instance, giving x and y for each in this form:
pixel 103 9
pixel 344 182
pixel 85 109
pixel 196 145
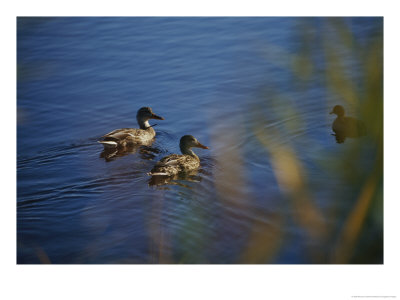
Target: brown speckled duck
pixel 346 126
pixel 173 164
pixel 132 136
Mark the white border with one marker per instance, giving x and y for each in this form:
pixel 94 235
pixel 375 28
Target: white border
pixel 197 282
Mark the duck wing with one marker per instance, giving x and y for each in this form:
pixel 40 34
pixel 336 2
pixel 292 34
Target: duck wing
pixel 171 160
pixel 121 133
pixel 128 136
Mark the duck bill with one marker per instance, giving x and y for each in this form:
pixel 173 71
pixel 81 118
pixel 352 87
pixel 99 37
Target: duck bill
pixel 201 146
pixel 154 116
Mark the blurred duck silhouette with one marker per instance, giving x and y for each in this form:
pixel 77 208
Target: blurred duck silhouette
pixel 174 165
pixel 123 140
pixel 345 127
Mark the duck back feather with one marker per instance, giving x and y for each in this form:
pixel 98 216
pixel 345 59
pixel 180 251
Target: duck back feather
pixel 174 164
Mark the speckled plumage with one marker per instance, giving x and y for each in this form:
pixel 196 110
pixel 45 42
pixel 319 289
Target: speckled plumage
pixel 131 136
pixel 174 164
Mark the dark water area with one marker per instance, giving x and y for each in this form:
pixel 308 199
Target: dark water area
pixel 274 187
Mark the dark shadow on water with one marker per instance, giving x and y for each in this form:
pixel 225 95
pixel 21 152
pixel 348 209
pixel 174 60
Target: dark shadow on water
pixel 179 179
pixel 340 138
pixel 145 152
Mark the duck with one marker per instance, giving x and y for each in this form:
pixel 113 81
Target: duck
pixel 346 126
pixel 132 136
pixel 174 164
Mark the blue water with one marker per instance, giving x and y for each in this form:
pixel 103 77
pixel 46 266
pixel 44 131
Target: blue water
pixel 219 79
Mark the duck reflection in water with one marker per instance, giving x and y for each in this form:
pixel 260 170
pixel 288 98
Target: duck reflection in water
pixel 123 141
pixel 181 179
pixel 346 127
pixel 145 152
pixel 177 166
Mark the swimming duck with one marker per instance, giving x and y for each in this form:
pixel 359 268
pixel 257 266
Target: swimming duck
pixel 132 136
pixel 346 126
pixel 176 163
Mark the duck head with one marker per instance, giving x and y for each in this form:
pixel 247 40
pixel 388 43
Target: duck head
pixel 143 116
pixel 338 110
pixel 189 141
